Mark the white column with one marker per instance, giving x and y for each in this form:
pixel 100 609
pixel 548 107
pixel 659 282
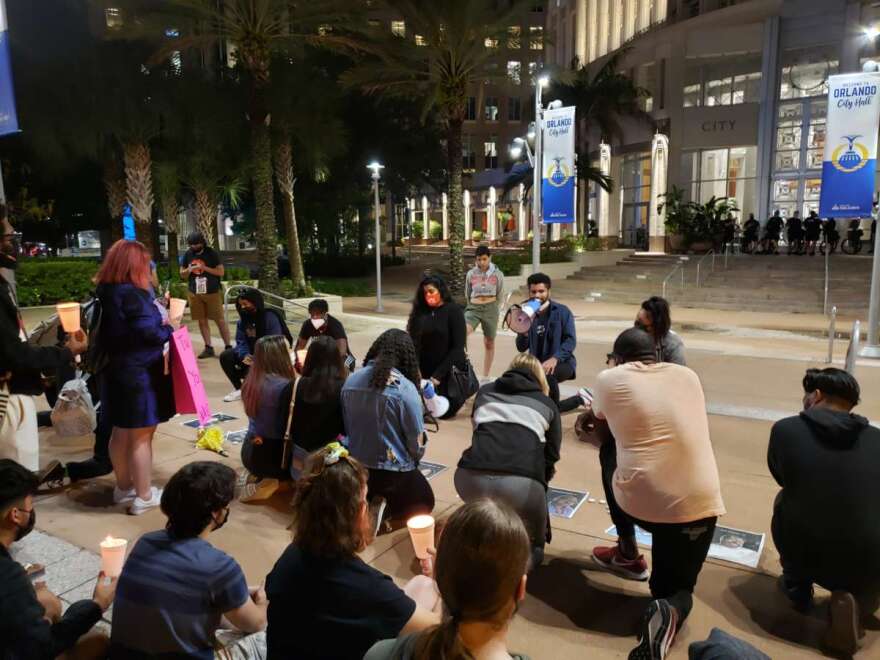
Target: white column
pixel 426 219
pixel 644 15
pixel 604 198
pixel 491 215
pixel 445 217
pixel 467 215
pixel 659 10
pixel 659 166
pixel 521 214
pixel 580 32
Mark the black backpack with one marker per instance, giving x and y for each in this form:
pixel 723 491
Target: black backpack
pixel 96 358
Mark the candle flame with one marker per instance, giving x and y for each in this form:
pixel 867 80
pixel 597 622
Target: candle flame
pixel 109 539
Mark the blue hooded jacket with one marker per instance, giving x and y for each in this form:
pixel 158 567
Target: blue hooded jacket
pixel 560 340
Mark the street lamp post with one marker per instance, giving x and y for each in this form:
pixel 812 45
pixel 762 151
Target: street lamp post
pixel 375 168
pixel 540 83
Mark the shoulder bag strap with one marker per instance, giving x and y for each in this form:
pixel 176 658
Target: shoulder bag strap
pixel 288 444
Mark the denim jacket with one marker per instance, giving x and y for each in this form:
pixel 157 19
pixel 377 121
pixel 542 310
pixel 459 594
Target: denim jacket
pixel 385 427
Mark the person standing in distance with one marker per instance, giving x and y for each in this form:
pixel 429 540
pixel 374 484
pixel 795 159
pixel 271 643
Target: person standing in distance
pixel 203 270
pixel 552 339
pixel 484 284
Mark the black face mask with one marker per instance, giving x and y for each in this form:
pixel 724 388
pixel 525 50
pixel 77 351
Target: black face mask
pixel 28 528
pixel 220 524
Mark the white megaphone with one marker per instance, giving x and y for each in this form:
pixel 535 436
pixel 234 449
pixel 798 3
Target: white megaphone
pixel 437 405
pixel 520 317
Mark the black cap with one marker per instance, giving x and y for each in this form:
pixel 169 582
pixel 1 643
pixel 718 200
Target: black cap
pixel 196 238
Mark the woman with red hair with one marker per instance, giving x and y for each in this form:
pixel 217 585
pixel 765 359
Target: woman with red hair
pixel 134 388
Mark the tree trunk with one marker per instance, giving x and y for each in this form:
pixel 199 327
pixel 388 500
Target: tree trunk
pixel 139 189
pixel 169 210
pixel 456 208
pixel 266 233
pixel 206 216
pixel 114 184
pixel 285 180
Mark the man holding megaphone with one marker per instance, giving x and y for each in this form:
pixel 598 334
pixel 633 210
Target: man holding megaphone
pixel 550 337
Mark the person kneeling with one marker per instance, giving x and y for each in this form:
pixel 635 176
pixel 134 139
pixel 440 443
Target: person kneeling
pixel 515 447
pixel 325 602
pixel 827 461
pixel 659 473
pixel 175 586
pixel 482 560
pixel 266 394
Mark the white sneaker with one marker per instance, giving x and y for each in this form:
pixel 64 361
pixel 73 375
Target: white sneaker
pixel 586 396
pixel 139 506
pixel 234 395
pixel 123 496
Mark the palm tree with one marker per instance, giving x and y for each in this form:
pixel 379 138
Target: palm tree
pixel 253 29
pixel 166 176
pixel 602 99
pixel 304 100
pixel 448 50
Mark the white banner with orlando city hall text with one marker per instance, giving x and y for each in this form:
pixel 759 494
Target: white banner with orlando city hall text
pixel 849 161
pixel 558 187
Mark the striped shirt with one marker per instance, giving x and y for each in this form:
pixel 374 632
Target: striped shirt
pixel 170 597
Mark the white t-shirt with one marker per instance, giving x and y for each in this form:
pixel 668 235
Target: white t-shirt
pixel 666 471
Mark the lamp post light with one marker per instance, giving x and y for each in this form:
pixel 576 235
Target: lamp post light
pixel 375 168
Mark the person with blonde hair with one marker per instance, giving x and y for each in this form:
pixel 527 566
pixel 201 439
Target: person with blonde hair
pixel 515 446
pixel 325 602
pixel 482 559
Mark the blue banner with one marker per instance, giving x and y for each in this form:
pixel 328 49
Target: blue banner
pixel 849 160
pixel 8 116
pixel 558 187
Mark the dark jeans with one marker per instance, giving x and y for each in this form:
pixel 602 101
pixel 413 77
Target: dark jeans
pixel 678 550
pixel 235 369
pixel 563 372
pixel 407 493
pixel 806 562
pixel 99 464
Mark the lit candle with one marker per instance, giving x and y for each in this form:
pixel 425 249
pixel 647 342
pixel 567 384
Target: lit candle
pixel 113 556
pixel 176 306
pixel 421 531
pixel 68 314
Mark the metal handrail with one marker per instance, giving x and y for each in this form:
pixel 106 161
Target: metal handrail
pixel 710 253
pixel 267 297
pixel 678 267
pixel 852 351
pixel 827 268
pixel 832 331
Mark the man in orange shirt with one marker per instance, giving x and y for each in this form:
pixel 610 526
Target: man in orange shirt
pixel 659 472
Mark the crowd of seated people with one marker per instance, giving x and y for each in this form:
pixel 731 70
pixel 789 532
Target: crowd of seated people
pixel 349 446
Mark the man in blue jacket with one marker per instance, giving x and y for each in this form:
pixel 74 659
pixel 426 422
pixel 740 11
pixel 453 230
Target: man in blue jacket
pixel 552 339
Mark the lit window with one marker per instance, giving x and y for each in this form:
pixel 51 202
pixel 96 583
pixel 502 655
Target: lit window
pixel 420 40
pixel 398 28
pixel 324 30
pixel 536 37
pixel 533 70
pixel 514 72
pixel 113 17
pixel 176 63
pixel 490 108
pixel 514 32
pixel 491 43
pixel 490 153
pixel 172 33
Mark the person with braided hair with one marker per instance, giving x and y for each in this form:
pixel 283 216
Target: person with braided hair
pixel 325 602
pixel 384 416
pixel 482 560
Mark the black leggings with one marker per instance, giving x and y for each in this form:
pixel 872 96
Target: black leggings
pixel 407 493
pixel 235 369
pixel 678 550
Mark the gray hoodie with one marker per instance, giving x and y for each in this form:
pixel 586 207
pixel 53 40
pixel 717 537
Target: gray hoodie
pixel 480 285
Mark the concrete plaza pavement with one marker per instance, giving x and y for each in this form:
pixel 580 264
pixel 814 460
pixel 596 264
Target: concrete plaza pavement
pixel 751 376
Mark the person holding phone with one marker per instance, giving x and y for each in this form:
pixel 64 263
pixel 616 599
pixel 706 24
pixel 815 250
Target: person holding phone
pixel 322 324
pixel 203 270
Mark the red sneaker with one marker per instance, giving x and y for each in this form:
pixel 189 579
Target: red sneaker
pixel 612 561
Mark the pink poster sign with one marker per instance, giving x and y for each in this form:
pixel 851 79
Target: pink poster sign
pixel 189 390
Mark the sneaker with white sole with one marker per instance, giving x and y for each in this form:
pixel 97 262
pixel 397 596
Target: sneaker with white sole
pixel 123 496
pixel 611 559
pixel 139 506
pixel 586 396
pixel 234 395
pixel 656 632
